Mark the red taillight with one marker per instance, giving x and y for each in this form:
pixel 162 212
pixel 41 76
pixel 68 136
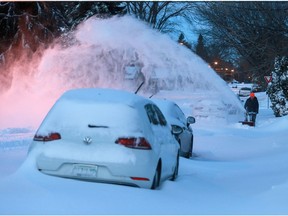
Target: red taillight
pixel 136 143
pixel 139 179
pixel 49 137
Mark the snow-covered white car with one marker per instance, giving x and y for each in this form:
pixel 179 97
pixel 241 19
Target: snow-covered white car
pixel 244 91
pixel 177 119
pixel 108 136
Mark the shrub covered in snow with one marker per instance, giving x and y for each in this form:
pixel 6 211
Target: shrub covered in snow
pixel 278 89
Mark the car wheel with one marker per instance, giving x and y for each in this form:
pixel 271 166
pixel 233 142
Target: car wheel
pixel 191 151
pixel 183 154
pixel 175 174
pixel 156 179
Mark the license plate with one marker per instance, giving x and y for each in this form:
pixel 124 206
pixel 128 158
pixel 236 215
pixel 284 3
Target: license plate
pixel 85 171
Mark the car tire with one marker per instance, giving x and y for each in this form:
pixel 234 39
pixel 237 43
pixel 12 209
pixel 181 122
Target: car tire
pixel 186 155
pixel 191 151
pixel 183 154
pixel 176 170
pixel 156 179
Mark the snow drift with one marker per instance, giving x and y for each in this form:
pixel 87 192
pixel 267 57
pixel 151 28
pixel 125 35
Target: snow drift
pixel 120 52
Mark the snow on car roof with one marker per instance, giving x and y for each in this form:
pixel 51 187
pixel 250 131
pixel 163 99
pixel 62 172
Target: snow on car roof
pixel 81 107
pixel 169 109
pixel 164 104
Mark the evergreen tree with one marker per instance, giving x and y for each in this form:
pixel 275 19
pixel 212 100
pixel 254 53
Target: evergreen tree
pixel 201 49
pixel 29 25
pixel 181 38
pixel 182 41
pixel 278 89
pixel 27 28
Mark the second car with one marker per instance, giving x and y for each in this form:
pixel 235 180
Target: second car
pixel 177 119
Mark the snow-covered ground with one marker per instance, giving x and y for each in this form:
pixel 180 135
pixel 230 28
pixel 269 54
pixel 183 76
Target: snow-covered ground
pixel 235 169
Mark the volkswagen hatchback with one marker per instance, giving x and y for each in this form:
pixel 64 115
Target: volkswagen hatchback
pixel 106 135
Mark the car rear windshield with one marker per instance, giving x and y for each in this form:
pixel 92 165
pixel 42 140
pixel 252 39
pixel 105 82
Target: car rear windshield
pixel 69 114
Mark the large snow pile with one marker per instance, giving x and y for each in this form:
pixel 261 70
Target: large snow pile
pixel 120 52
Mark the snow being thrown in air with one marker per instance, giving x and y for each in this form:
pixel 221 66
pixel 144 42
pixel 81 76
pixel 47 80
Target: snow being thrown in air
pixel 121 53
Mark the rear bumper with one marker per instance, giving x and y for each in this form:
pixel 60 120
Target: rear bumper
pixel 120 173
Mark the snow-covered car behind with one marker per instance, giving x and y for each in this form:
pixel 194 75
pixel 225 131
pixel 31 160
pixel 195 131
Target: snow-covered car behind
pixel 108 136
pixel 177 119
pixel 244 91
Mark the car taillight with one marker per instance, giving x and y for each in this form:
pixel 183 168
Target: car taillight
pixel 139 179
pixel 49 137
pixel 136 143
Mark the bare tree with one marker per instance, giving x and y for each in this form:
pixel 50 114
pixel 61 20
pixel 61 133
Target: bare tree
pixel 255 31
pixel 161 15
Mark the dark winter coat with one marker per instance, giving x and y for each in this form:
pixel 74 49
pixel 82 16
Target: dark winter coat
pixel 252 105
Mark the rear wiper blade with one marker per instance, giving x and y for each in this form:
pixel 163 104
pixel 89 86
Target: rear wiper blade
pixel 97 126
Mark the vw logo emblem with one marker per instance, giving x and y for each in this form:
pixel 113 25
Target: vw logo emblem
pixel 87 140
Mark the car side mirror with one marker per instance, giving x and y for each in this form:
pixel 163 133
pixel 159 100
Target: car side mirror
pixel 176 130
pixel 190 120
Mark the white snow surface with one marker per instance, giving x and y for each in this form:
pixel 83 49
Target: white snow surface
pixel 235 169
